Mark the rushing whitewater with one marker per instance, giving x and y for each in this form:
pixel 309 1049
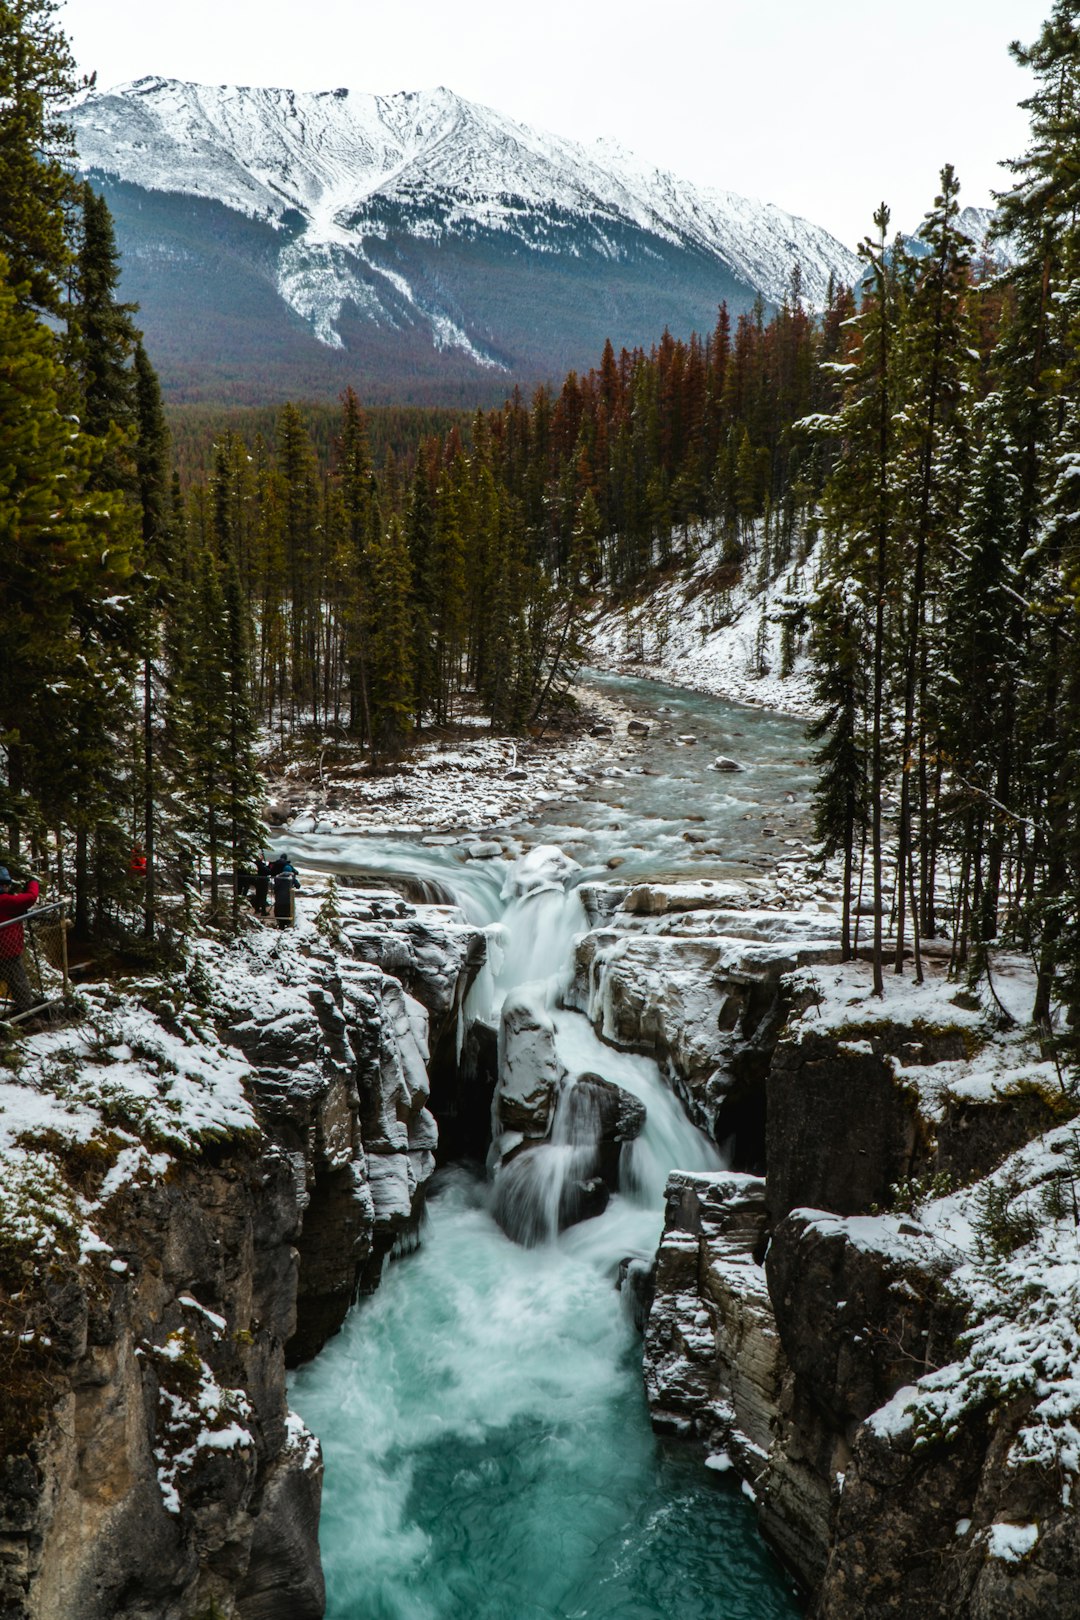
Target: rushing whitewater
pixel 488 1451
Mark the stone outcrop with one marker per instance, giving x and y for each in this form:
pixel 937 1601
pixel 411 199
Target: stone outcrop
pixel 168 1457
pixel 831 1333
pixel 558 1138
pixel 821 1091
pixel 671 970
pixel 530 1075
pixel 220 1167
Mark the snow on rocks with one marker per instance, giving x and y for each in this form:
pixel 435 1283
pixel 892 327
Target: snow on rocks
pixel 541 870
pixel 474 784
pixel 530 1073
pixel 195 1173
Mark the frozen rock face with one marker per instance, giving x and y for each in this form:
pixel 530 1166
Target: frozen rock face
pixel 539 871
pixel 219 1166
pixel 530 1073
pixel 821 1090
pixel 339 1058
pixel 558 1138
pixel 151 1463
pixel 430 950
pixel 712 1355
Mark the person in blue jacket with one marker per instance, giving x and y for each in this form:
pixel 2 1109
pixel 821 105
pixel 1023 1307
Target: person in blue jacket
pixel 286 880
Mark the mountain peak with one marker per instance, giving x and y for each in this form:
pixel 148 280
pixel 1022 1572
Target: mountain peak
pixel 358 190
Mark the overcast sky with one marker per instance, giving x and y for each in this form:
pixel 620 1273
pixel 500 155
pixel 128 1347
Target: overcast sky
pixel 823 106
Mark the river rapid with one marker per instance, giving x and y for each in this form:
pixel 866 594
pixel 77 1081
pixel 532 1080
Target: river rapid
pixel 488 1449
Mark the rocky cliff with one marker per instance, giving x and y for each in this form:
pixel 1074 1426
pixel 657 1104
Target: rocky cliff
pixel 880 1334
pixel 199 1173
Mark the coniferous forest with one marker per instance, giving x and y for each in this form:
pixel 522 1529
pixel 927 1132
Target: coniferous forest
pixel 915 444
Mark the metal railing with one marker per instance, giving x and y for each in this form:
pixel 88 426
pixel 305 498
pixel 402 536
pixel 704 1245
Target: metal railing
pixel 38 973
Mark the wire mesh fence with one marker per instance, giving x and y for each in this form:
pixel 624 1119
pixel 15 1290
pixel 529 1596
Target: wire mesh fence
pixel 33 961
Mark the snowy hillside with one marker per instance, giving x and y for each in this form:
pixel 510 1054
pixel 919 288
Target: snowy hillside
pixel 353 191
pixel 720 639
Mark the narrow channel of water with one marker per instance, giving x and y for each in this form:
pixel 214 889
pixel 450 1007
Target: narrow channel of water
pixel 488 1450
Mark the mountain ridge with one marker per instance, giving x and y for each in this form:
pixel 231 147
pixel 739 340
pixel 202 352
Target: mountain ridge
pixel 423 230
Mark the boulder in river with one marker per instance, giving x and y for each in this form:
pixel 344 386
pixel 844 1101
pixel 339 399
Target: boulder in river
pixel 602 731
pixel 581 1200
pixel 484 850
pixel 637 728
pixel 723 763
pixel 529 1069
pixel 598 1112
pixel 542 868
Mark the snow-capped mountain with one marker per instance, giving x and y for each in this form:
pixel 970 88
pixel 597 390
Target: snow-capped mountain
pixel 975 224
pixel 419 232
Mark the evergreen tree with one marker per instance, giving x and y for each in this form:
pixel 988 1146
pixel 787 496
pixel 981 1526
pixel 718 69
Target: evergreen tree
pixel 152 467
pixel 935 343
pixel 391 640
pixel 45 533
pixel 839 644
pixel 37 80
pixel 102 336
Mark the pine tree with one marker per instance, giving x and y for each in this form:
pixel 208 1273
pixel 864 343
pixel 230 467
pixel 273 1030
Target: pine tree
pixel 935 344
pixel 859 508
pixel 152 467
pixel 983 655
pixel 302 552
pixel 241 801
pixel 37 80
pixel 359 500
pixel 1041 215
pixel 44 537
pixel 839 646
pixel 391 640
pixel 102 337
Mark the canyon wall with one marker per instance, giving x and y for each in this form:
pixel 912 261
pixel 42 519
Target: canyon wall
pixel 200 1173
pixel 870 1318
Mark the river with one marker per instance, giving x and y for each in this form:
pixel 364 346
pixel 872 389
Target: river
pixel 488 1448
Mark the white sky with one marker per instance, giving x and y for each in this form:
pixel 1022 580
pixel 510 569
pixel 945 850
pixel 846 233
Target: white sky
pixel 822 106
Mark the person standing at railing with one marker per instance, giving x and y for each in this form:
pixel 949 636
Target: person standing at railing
pixel 15 903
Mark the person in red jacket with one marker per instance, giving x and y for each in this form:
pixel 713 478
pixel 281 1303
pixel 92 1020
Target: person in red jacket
pixel 14 903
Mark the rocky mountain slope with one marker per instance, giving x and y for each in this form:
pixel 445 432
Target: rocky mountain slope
pixel 415 244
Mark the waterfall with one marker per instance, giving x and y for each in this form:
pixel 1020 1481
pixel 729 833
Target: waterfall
pixel 594 1147
pixel 487 1444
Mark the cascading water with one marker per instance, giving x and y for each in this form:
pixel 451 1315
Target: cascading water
pixel 488 1451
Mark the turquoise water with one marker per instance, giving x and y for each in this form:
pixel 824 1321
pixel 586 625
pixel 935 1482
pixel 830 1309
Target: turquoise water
pixel 488 1451
pixel 487 1444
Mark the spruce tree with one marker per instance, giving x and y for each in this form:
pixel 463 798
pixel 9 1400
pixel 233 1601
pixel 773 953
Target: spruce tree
pixel 37 80
pixel 841 659
pixel 935 359
pixel 152 468
pixel 391 640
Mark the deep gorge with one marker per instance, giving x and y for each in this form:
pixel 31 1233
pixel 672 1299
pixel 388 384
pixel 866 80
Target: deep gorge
pixel 479 1109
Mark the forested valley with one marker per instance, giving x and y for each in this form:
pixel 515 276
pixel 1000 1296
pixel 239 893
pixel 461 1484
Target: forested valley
pixel 914 445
